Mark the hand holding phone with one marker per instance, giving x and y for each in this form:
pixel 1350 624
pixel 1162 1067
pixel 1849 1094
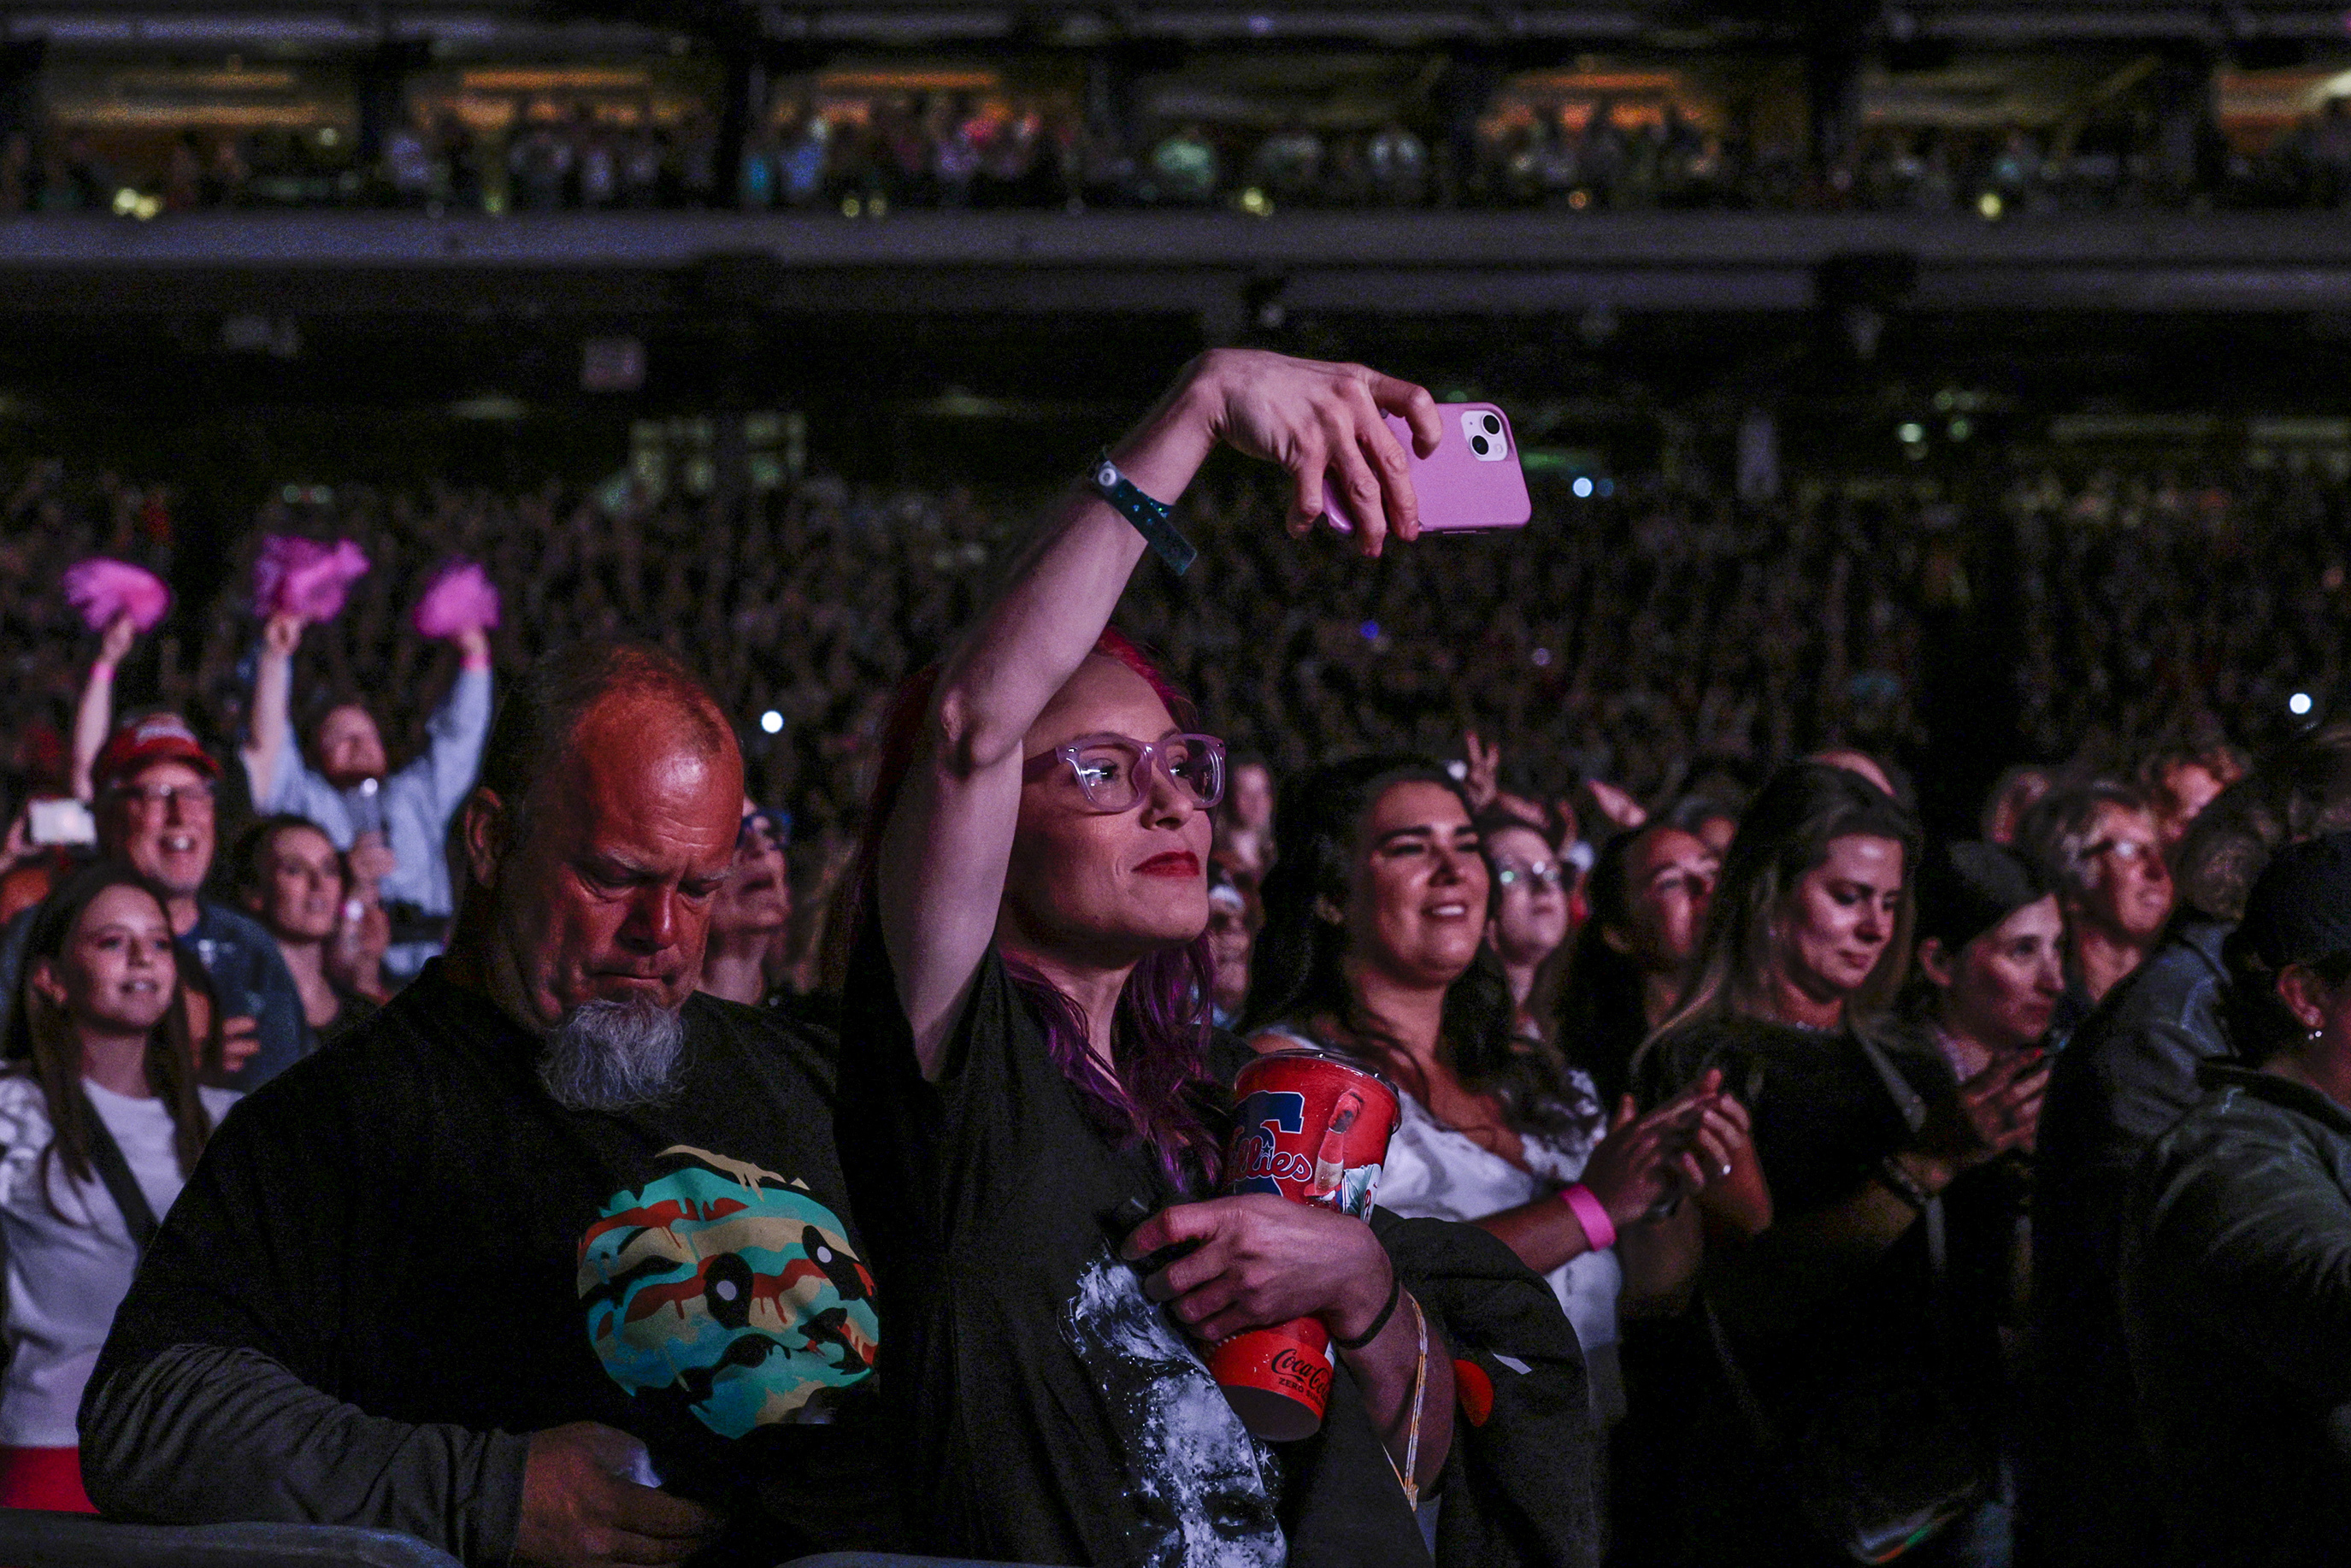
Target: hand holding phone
pixel 1471 481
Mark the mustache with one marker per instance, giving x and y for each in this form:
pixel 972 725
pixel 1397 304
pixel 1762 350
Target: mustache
pixel 612 1056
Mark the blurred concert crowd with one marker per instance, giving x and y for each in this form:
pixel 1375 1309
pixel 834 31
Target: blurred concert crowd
pixel 1651 638
pixel 947 150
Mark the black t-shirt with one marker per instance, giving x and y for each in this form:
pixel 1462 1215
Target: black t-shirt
pixel 1823 1119
pixel 1062 1417
pixel 408 1222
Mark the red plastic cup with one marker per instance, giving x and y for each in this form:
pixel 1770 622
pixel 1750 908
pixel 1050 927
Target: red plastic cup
pixel 1313 1128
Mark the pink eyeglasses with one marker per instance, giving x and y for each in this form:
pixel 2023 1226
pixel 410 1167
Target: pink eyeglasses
pixel 1113 771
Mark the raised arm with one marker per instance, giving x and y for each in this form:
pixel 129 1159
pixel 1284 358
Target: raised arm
pixel 944 850
pixel 268 730
pixel 95 716
pixel 458 728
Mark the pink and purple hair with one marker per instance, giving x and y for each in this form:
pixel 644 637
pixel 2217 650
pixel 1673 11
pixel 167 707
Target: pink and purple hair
pixel 1160 1032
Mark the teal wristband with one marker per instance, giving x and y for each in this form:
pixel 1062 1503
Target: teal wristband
pixel 1153 520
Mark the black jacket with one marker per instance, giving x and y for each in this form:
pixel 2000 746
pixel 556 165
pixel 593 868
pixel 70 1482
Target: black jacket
pixel 2126 1076
pixel 1522 1484
pixel 2236 1299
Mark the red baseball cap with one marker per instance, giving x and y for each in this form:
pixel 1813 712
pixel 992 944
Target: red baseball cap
pixel 158 738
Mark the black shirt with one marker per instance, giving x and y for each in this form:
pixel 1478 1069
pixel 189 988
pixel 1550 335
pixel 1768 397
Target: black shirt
pixel 409 1223
pixel 2125 1076
pixel 1823 1119
pixel 1062 1417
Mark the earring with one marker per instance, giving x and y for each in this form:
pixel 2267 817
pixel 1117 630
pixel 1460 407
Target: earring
pixel 1326 910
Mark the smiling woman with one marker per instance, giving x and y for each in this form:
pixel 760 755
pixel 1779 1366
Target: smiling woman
pixel 293 880
pixel 100 1124
pixel 1374 944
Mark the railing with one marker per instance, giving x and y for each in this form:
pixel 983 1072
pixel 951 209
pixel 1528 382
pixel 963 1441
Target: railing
pixel 1226 271
pixel 29 1538
pixel 34 1540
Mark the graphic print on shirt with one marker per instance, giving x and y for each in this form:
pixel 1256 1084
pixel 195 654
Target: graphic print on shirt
pixel 1202 1486
pixel 731 1287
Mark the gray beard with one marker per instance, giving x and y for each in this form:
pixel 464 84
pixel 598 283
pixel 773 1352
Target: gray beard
pixel 612 1056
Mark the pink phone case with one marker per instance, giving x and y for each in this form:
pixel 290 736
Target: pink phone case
pixel 1458 488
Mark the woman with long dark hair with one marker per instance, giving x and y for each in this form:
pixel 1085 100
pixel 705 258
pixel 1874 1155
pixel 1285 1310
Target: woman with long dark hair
pixel 101 1097
pixel 1817 1353
pixel 1648 892
pixel 1032 1103
pixel 1371 946
pixel 292 879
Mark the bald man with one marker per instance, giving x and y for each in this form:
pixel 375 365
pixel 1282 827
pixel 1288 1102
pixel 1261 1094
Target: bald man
pixel 547 1262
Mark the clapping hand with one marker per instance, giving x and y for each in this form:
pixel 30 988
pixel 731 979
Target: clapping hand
pixel 1682 1147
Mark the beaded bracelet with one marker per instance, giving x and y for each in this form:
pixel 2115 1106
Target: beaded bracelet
pixel 1410 1473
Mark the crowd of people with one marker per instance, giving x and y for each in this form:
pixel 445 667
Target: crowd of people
pixel 1653 638
pixel 1771 1181
pixel 1465 143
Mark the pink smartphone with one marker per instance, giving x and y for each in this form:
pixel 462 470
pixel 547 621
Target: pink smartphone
pixel 1471 481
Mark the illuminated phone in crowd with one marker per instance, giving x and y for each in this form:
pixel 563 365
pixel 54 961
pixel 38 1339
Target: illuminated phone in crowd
pixel 63 822
pixel 1472 481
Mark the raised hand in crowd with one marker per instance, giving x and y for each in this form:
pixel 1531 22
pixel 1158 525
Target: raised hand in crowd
pixel 1319 422
pixel 94 715
pixel 1616 804
pixel 1483 780
pixel 372 861
pixel 269 726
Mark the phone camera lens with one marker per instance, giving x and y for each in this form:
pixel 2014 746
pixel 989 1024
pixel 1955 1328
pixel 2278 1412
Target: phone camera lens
pixel 1478 444
pixel 1493 426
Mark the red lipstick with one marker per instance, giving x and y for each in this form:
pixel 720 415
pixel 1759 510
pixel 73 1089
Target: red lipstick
pixel 1175 863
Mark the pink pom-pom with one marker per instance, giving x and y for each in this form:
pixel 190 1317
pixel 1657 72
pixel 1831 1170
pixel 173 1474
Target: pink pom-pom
pixel 303 577
pixel 461 598
pixel 102 589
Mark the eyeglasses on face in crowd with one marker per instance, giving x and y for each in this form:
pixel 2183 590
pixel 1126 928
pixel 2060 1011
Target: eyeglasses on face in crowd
pixel 1113 771
pixel 197 796
pixel 764 829
pixel 2123 851
pixel 1547 874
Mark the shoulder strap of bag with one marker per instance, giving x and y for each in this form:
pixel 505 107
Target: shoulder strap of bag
pixel 115 1171
pixel 1908 1100
pixel 1742 1393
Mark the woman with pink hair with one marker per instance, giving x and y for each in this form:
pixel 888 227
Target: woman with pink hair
pixel 1033 1101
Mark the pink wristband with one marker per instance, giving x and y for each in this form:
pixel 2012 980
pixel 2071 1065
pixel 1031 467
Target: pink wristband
pixel 1598 1229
